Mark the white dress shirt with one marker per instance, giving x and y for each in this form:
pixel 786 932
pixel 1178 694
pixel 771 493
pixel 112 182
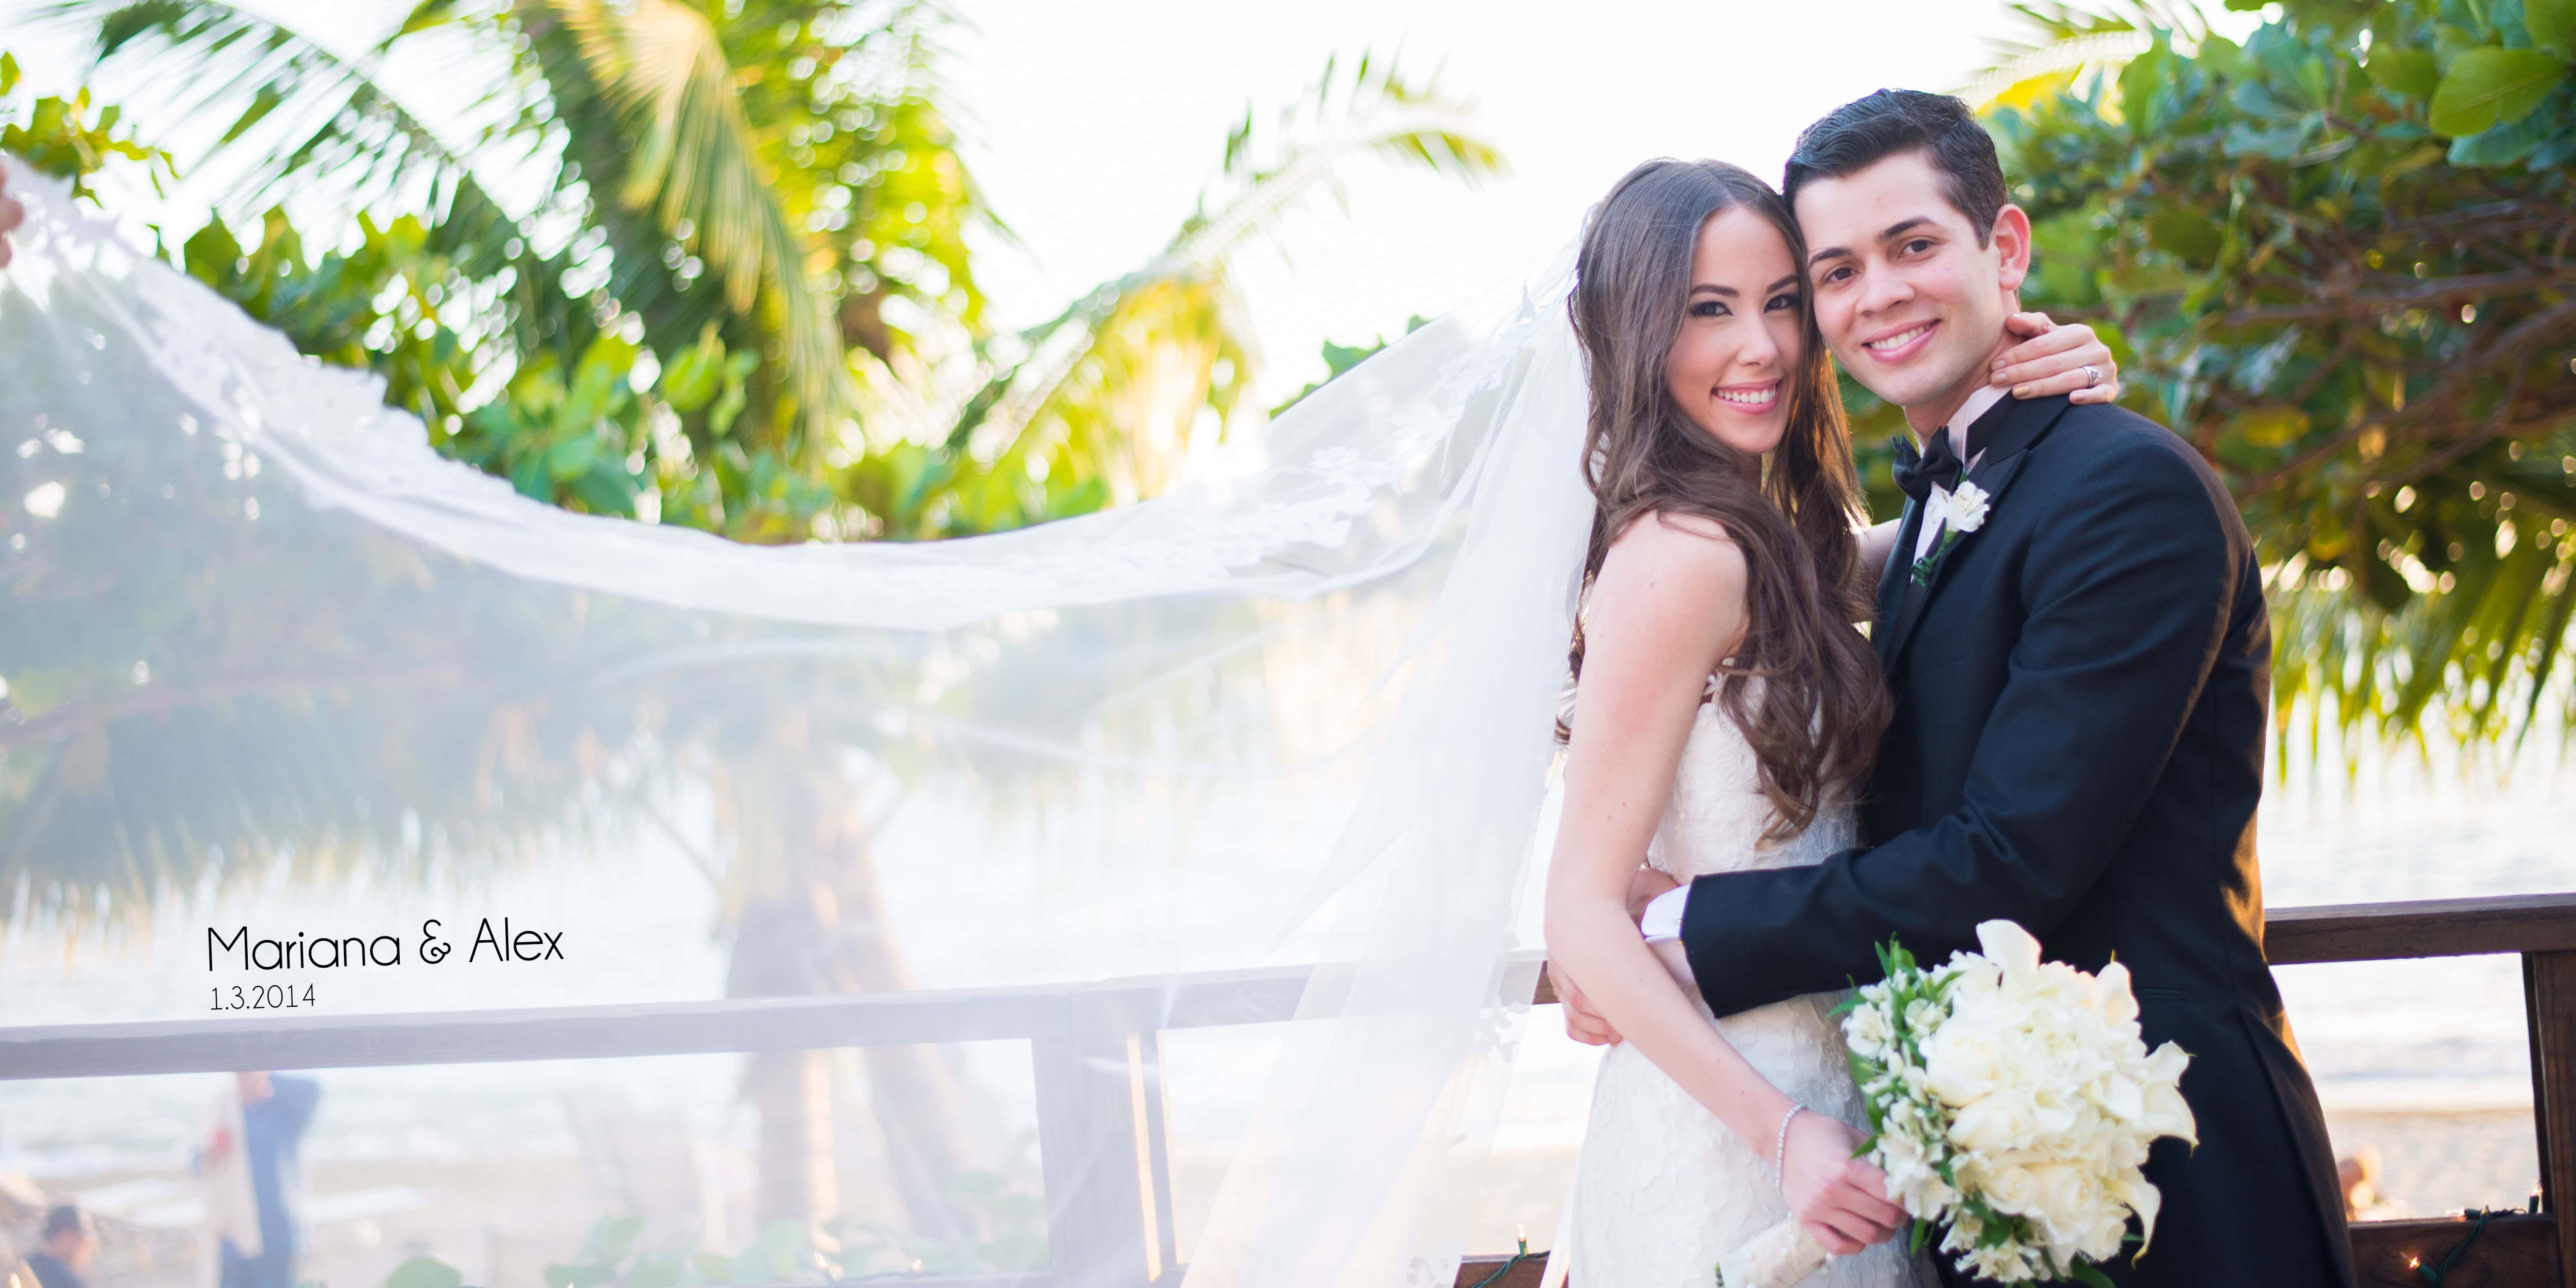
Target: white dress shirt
pixel 1661 923
pixel 1957 429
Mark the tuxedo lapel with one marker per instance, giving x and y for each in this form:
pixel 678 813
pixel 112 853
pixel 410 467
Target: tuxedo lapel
pixel 2023 422
pixel 1892 581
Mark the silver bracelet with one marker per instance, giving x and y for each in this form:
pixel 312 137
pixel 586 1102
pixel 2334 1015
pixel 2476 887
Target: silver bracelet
pixel 1780 1150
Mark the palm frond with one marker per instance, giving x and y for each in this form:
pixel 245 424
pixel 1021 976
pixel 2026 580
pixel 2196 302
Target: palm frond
pixel 1111 385
pixel 2062 45
pixel 296 112
pixel 1376 111
pixel 301 116
pixel 695 169
pixel 2461 629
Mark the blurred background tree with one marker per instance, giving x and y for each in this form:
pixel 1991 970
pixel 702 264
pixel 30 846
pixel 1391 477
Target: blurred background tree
pixel 2336 257
pixel 763 322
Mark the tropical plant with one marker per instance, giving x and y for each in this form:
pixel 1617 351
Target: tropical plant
pixel 1340 358
pixel 70 136
pixel 2060 45
pixel 2336 259
pixel 761 195
pixel 1101 403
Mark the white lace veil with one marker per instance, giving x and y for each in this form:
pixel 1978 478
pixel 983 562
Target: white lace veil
pixel 1304 700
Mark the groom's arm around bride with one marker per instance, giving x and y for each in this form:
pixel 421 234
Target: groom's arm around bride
pixel 2080 684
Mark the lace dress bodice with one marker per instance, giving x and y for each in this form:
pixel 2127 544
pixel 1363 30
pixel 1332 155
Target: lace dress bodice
pixel 1662 1188
pixel 1715 819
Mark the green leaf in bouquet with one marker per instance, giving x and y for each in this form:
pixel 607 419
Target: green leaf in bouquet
pixel 2089 1275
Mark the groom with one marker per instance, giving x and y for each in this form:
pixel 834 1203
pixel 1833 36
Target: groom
pixel 2080 685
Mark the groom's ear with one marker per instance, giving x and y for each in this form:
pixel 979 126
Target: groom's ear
pixel 2011 238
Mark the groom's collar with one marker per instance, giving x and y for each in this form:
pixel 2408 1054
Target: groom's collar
pixel 2012 427
pixel 1978 404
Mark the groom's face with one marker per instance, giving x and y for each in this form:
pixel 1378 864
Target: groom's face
pixel 1911 300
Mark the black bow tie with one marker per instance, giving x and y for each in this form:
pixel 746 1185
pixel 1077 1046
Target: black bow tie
pixel 1918 472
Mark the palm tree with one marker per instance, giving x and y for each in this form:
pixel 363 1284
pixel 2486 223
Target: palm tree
pixel 763 183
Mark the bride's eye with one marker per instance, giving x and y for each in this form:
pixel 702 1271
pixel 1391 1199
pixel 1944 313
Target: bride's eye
pixel 1779 302
pixel 1708 309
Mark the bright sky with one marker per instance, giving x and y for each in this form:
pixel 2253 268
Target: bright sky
pixel 1103 119
pixel 1094 125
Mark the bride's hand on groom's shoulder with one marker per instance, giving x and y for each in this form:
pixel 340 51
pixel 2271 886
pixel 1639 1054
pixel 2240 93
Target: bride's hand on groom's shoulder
pixel 1841 1200
pixel 2068 360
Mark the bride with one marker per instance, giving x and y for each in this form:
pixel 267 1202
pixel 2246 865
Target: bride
pixel 1724 706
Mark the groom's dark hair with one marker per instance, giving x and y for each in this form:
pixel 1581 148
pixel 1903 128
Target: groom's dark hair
pixel 1866 131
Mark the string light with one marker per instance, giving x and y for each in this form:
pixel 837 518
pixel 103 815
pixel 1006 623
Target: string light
pixel 2437 1274
pixel 1506 1268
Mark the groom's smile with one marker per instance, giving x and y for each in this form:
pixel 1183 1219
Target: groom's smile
pixel 1894 346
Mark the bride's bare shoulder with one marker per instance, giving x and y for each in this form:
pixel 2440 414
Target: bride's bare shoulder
pixel 1669 546
pixel 1671 571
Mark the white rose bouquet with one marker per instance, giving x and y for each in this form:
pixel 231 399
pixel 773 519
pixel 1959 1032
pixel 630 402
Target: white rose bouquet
pixel 2010 1098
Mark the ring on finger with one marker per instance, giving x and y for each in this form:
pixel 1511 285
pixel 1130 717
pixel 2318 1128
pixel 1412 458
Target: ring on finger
pixel 2092 376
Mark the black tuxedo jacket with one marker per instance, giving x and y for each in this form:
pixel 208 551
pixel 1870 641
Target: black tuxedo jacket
pixel 2078 746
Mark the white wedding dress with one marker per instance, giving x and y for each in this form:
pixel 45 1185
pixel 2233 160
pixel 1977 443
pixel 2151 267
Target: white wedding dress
pixel 1663 1189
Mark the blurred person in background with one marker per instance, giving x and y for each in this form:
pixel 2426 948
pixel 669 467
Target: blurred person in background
pixel 68 1238
pixel 253 1172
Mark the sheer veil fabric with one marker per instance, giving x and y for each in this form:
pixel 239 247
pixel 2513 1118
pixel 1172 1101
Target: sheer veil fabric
pixel 1297 709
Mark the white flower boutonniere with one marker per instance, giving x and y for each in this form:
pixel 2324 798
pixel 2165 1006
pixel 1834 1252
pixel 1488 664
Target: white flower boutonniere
pixel 1959 513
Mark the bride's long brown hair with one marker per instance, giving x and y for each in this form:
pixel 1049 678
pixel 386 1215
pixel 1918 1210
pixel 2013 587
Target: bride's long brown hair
pixel 1815 720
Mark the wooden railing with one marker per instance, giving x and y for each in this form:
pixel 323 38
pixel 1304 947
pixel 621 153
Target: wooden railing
pixel 1097 1056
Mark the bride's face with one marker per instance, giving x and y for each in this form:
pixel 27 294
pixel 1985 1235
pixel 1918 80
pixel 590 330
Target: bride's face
pixel 1742 331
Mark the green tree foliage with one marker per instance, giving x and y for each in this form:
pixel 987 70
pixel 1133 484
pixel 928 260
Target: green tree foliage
pixel 765 195
pixel 69 136
pixel 725 234
pixel 2336 259
pixel 1340 358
